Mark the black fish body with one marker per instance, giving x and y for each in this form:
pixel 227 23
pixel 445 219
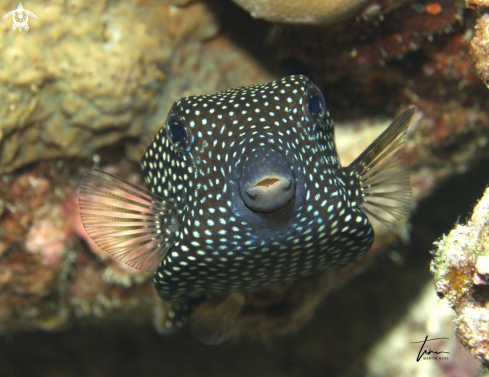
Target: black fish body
pixel 247 193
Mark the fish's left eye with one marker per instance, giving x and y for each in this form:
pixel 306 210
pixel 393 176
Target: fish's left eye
pixel 178 132
pixel 314 105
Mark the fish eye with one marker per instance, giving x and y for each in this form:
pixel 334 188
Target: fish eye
pixel 314 105
pixel 179 133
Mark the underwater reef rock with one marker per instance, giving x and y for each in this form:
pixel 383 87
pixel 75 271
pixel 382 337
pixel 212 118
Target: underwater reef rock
pixel 47 276
pixel 369 43
pixel 303 11
pixel 88 74
pixel 51 279
pixel 461 270
pixel 479 48
pixel 418 54
pixel 52 276
pixel 477 4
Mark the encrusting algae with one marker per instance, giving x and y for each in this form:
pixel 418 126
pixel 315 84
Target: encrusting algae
pixel 461 271
pixel 479 48
pixel 247 193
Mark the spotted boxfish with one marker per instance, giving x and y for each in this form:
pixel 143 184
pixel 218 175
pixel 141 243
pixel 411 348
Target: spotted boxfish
pixel 246 193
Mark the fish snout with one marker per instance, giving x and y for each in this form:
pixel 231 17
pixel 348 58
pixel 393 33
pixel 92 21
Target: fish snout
pixel 266 183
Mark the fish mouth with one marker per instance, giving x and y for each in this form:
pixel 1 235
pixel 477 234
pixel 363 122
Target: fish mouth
pixel 266 183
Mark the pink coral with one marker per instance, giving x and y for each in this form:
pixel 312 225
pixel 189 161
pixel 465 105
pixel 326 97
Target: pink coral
pixel 48 239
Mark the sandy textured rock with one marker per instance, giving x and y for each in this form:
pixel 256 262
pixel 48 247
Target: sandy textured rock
pixel 88 74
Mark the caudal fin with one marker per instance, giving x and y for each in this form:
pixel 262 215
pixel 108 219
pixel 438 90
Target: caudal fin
pixel 384 174
pixel 129 223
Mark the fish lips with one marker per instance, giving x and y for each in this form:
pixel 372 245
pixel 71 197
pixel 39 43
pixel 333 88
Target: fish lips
pixel 266 183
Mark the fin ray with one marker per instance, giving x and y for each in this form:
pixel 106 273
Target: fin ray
pixel 384 173
pixel 133 225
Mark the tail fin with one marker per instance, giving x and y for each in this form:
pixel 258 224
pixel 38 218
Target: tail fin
pixel 384 174
pixel 129 223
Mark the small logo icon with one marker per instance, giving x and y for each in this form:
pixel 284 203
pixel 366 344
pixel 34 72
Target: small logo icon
pixel 20 17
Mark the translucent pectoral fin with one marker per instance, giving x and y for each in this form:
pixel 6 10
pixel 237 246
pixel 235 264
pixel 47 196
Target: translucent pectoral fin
pixel 384 174
pixel 129 223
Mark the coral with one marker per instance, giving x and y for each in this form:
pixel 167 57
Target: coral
pixel 461 271
pixel 47 239
pixel 410 33
pixel 479 48
pixel 85 283
pixel 477 4
pixel 473 329
pixel 88 74
pixel 303 12
pixel 415 55
pixel 352 44
pixel 99 77
pixel 47 277
pixel 34 236
pixel 76 280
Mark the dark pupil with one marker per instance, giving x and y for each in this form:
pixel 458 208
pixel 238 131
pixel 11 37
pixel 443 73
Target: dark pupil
pixel 314 105
pixel 177 132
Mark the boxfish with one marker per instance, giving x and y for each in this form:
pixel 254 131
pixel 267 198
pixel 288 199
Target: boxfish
pixel 246 192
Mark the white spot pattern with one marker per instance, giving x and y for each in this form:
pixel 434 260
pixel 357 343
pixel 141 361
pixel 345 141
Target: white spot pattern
pixel 223 245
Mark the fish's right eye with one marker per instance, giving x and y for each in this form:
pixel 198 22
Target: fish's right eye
pixel 179 133
pixel 314 106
